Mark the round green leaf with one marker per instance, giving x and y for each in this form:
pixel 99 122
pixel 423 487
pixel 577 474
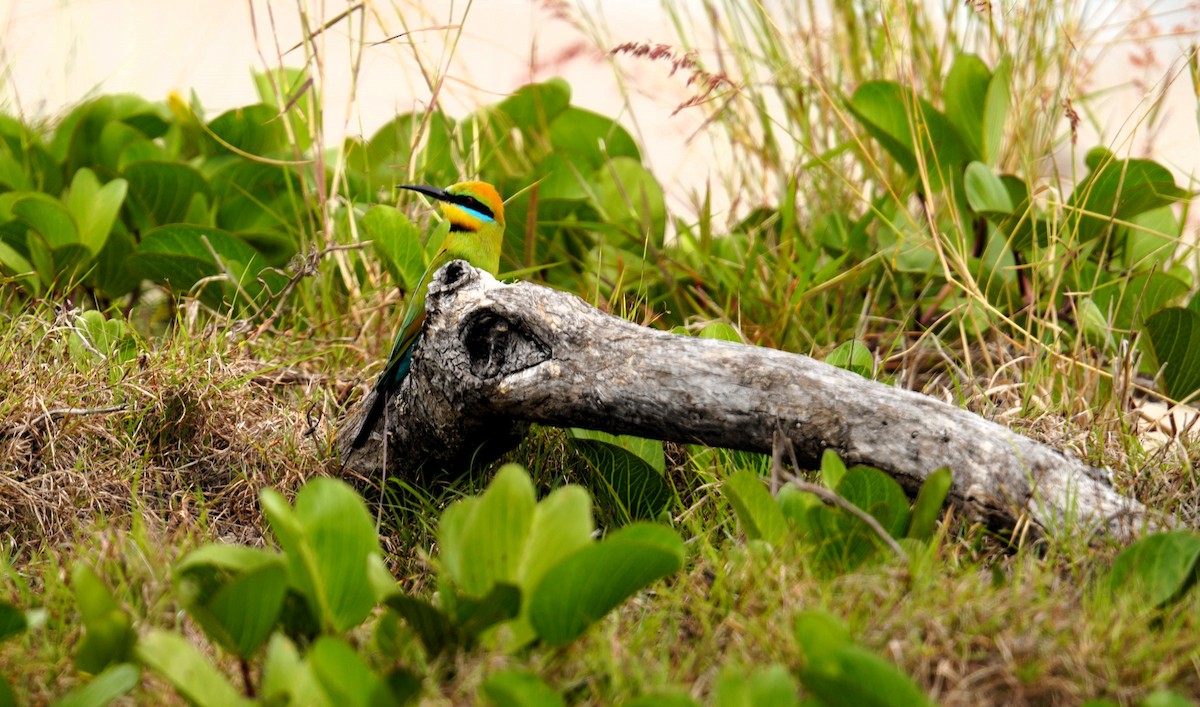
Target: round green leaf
pixel 588 139
pixel 398 243
pixel 344 677
pixel 173 657
pixel 587 585
pixel 878 494
pixel 181 255
pixel 235 593
pixel 986 192
pixel 482 539
pixel 104 689
pixel 1175 338
pixel 760 516
pixel 160 192
pixel 628 195
pixel 515 688
pixel 250 129
pixel 337 538
pixel 1158 568
pixel 965 97
pixel 629 471
pixel 853 356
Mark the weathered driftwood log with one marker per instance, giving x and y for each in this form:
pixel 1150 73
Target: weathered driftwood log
pixel 495 357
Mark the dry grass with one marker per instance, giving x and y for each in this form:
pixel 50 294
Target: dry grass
pixel 208 419
pixel 183 435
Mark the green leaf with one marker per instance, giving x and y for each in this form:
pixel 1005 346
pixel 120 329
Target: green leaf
pixel 436 631
pixel 796 505
pixel 235 593
pixel 475 615
pixel 96 337
pixel 627 195
pixel 995 112
pixel 905 125
pixel 108 636
pixel 841 541
pixel 111 272
pixel 398 243
pixel 159 192
pixel 986 192
pixel 1152 240
pixel 328 539
pixel 14 263
pixel 534 106
pixel 928 506
pixel 1119 189
pixel 562 524
pixel 880 107
pixel 772 685
pixel 284 87
pixel 121 145
pixel 587 140
pixel 1175 337
pixel 832 469
pixel 285 675
pixel 878 494
pixel 115 682
pixel 853 356
pixel 1130 300
pixel 343 676
pixel 1165 698
pixel 1157 569
pixel 760 516
pixel 965 95
pixel 720 331
pixel 94 207
pixel 483 546
pixel 385 159
pixel 12 621
pixel 256 198
pixel 181 255
pixel 250 129
pixel 193 676
pixel 49 217
pixel 630 471
pixel 517 688
pixel 587 585
pixel 12 174
pixel 841 674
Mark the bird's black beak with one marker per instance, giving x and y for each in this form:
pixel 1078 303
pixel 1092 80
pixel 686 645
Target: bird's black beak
pixel 431 192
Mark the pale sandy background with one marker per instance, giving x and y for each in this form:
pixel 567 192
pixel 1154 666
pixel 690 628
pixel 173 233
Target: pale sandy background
pixel 53 53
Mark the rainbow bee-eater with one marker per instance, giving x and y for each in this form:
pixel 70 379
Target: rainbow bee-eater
pixel 476 215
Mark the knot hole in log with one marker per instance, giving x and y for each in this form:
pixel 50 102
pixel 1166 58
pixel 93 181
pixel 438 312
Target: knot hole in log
pixel 499 345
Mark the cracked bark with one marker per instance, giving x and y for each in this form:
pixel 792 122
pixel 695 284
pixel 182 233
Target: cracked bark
pixel 494 358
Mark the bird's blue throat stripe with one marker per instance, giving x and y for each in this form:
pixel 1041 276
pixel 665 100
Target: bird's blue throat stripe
pixel 478 214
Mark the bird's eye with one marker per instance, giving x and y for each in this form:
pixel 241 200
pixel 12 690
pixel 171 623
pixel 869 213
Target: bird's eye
pixel 470 202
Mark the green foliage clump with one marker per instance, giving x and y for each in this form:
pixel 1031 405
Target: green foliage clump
pixel 512 571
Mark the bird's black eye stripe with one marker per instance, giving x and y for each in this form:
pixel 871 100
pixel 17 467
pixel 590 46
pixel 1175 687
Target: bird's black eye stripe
pixel 471 203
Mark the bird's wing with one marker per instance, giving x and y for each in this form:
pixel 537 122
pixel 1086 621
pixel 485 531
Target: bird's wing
pixel 410 328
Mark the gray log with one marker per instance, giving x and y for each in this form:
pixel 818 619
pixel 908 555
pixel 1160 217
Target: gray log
pixel 496 357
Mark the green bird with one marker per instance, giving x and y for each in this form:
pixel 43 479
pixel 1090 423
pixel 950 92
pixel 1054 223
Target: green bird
pixel 476 215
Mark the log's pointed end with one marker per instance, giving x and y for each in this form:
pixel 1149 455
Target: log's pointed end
pixel 363 459
pixel 459 275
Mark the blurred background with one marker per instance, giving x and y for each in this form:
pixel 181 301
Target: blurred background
pixel 55 53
